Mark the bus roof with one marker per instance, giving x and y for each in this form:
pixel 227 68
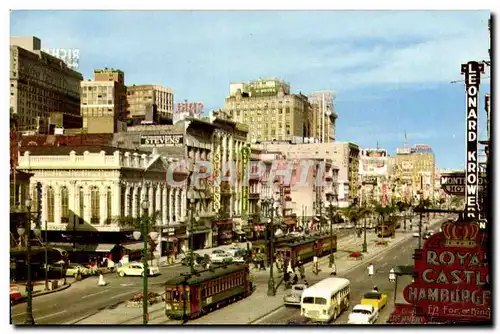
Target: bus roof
pixel 326 286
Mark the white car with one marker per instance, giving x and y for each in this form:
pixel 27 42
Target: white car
pixel 416 234
pixel 363 315
pixel 137 269
pixel 295 295
pixel 218 257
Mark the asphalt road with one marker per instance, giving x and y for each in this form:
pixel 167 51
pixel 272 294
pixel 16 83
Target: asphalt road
pixel 360 284
pixel 85 297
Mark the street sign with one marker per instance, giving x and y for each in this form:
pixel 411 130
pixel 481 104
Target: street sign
pixel 454 183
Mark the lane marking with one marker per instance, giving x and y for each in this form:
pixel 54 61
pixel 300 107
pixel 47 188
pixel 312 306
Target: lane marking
pixel 50 315
pixel 127 284
pixel 93 294
pixel 123 294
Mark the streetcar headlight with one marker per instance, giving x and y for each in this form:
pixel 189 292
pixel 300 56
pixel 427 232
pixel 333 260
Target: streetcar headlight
pixel 169 307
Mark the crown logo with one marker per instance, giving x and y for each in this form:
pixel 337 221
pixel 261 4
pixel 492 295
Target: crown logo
pixel 460 234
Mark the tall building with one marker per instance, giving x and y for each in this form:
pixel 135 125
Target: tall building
pixel 145 100
pixel 373 171
pixel 346 157
pixel 268 108
pixel 415 168
pixel 322 117
pixel 40 85
pixel 103 102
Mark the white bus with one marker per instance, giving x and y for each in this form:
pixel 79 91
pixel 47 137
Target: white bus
pixel 326 299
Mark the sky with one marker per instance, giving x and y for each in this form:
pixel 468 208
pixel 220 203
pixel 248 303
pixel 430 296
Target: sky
pixel 391 71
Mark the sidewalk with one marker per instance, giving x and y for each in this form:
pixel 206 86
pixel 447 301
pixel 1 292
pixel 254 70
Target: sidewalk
pixel 258 304
pixel 39 288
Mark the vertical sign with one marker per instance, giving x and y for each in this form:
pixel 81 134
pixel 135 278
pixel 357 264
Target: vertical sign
pixel 245 189
pixel 472 71
pixel 216 175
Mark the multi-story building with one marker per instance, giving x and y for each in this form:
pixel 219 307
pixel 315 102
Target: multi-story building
pixel 374 175
pixel 322 117
pixel 88 190
pixel 304 199
pixel 268 108
pixel 219 142
pixel 415 168
pixel 346 157
pixel 143 100
pixel 103 102
pixel 40 85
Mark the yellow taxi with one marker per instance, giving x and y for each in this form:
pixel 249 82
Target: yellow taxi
pixel 376 299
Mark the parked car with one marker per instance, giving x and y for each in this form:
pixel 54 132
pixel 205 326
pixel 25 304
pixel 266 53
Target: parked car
pixel 74 269
pixel 218 257
pixel 363 315
pixel 376 299
pixel 199 260
pixel 137 269
pixel 293 298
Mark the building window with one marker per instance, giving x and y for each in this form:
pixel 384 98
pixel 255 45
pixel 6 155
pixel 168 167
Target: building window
pixel 108 204
pixel 81 205
pixel 94 206
pixel 50 204
pixel 64 205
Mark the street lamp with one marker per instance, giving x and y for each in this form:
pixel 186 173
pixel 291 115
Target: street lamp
pixel 271 291
pixel 137 236
pixel 29 307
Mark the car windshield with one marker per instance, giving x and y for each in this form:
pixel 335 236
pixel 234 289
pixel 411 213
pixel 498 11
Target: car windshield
pixel 361 311
pixel 372 295
pixel 298 288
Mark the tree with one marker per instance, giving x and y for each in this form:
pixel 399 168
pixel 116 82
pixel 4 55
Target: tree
pixel 135 223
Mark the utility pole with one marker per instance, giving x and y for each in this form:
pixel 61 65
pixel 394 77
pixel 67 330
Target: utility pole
pixel 271 291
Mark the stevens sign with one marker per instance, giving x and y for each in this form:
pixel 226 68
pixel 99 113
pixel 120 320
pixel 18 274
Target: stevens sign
pixel 162 140
pixel 451 272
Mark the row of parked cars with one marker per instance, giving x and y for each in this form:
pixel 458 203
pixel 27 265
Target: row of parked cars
pixel 230 255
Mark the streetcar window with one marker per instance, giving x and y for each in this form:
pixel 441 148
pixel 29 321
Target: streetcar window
pixel 203 291
pixel 168 295
pixel 176 295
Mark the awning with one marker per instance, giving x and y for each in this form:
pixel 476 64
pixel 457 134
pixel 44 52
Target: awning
pixel 289 221
pixel 89 248
pixel 170 239
pixel 134 246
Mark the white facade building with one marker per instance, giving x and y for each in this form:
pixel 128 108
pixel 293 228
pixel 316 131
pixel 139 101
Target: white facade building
pixel 94 187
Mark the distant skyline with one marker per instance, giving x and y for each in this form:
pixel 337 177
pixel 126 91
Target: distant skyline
pixel 391 70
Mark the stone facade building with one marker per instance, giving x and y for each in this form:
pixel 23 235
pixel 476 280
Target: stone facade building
pixel 144 99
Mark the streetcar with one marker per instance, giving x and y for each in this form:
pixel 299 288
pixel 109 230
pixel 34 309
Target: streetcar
pixel 190 296
pixel 306 248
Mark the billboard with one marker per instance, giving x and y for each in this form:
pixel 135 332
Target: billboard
pixel 421 148
pixel 187 109
pixel 455 183
pixel 373 162
pixel 172 140
pixel 71 57
pixel 451 275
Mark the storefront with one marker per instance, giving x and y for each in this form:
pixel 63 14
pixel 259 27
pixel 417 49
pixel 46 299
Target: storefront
pixel 259 230
pixel 224 232
pixel 238 234
pixel 168 241
pixel 182 240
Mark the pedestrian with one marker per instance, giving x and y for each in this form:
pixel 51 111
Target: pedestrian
pixel 315 265
pixel 371 270
pixel 301 270
pixel 286 278
pixel 306 283
pixel 295 279
pixel 334 269
pixel 392 276
pixel 375 289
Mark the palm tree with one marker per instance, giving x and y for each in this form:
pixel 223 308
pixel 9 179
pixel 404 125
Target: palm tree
pixel 352 213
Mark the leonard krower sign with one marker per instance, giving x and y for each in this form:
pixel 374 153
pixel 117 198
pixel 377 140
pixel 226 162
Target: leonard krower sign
pixel 472 71
pixel 451 274
pixel 162 140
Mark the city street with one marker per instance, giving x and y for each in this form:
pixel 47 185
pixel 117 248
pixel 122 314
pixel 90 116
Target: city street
pixel 85 297
pixel 360 284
